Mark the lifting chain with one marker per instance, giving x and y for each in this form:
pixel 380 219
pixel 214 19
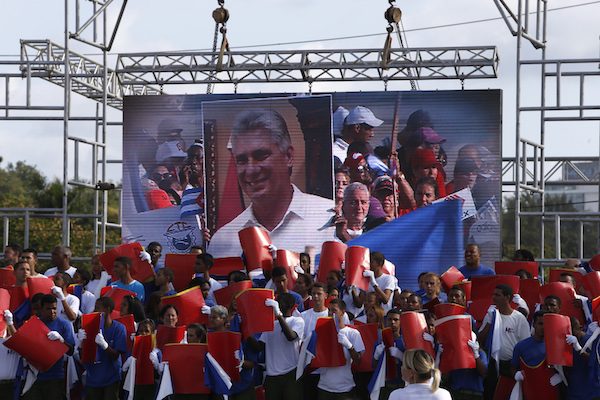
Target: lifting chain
pixel 221 16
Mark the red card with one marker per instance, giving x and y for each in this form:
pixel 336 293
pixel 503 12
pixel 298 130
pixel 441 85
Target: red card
pixel 166 335
pixel 333 255
pixel 357 262
pixel 189 306
pixel 591 282
pixel 223 266
pixel 140 270
pixel 558 351
pixel 478 309
pixel 536 382
pixel 466 287
pixel 329 353
pixel 225 296
pixel 554 276
pixel 483 286
pixel 187 380
pixel 430 305
pixel 288 260
pixel 183 267
pixel 451 277
pixel 448 309
pixel 368 332
pixel 413 326
pixel 30 339
pixel 129 322
pixel 18 294
pixel 4 305
pixel 91 324
pixel 39 285
pixel 117 295
pixel 222 346
pixel 566 294
pixel 144 370
pixel 453 332
pixel 596 309
pixel 511 267
pixel 256 317
pixel 530 292
pixel 7 277
pixel 255 244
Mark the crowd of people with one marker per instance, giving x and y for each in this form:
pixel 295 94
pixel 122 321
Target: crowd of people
pixel 507 344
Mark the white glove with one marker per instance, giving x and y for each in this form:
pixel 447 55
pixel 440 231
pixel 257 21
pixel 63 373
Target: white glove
pixel 53 335
pixel 274 305
pixel 58 293
pixel 100 341
pixel 127 364
pixel 344 341
pixel 517 299
pixel 379 349
pixel 240 357
pixel 273 250
pixel 145 256
pixel 572 340
pixel 428 337
pixel 396 353
pixel 206 310
pixel 519 376
pixel 555 379
pixel 592 327
pixel 8 317
pixel 299 269
pixel 132 337
pixel 371 275
pixel 474 345
pixel 153 356
pixel 81 336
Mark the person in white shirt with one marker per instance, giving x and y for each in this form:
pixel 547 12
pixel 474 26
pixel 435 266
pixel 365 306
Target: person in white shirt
pixel 338 382
pixel 100 278
pixel 358 125
pixel 67 305
pixel 204 263
pixel 422 378
pixel 61 258
pixel 381 283
pixel 87 299
pixel 282 347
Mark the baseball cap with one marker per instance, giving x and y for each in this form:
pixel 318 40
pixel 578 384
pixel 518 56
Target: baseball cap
pixel 383 183
pixel 431 136
pixel 168 127
pixel 423 158
pixel 353 160
pixel 338 118
pixel 169 149
pixel 362 115
pixel 465 166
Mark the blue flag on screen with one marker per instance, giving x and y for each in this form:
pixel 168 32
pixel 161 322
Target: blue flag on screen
pixel 429 239
pixel 191 201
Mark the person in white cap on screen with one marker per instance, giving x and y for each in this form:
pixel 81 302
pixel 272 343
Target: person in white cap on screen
pixel 340 146
pixel 358 126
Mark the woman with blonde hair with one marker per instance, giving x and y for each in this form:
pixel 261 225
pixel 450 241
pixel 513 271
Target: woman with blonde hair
pixel 421 377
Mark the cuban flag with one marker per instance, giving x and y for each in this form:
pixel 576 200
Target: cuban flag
pixel 308 351
pixel 215 376
pixel 166 384
pixel 378 378
pixel 192 202
pixel 129 383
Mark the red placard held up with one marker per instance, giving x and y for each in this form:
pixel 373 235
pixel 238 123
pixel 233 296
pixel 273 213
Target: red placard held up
pixel 329 353
pixel 591 282
pixel 357 261
pixel 555 273
pixel 140 270
pixel 566 294
pixel 91 324
pixel 466 287
pixel 167 334
pixel 512 267
pixel 255 244
pixel 180 357
pixel 451 277
pixel 7 277
pixel 189 306
pixel 448 309
pixel 483 286
pixel 288 260
pixel 333 255
pixel 222 346
pixel 129 322
pixel 183 267
pixel 368 332
pixel 116 294
pixel 225 296
pixel 530 292
pixel 224 265
pixel 39 285
pixel 30 339
pixel 596 309
pixel 558 351
pixel 144 370
pixel 453 332
pixel 18 294
pixel 4 305
pixel 256 316
pixel 413 326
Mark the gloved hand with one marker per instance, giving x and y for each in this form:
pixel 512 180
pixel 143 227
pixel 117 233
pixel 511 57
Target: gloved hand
pixel 344 341
pixel 371 275
pixel 299 269
pixel 127 364
pixel 154 359
pixel 274 305
pixel 58 293
pixel 240 357
pixel 8 318
pixel 272 250
pixel 132 336
pixel 428 337
pixel 474 345
pixel 572 340
pixel 353 290
pixel 555 379
pixel 53 335
pixel 592 327
pixel 519 376
pixel 396 353
pixel 206 310
pixel 145 256
pixel 517 299
pixel 81 336
pixel 379 349
pixel 100 341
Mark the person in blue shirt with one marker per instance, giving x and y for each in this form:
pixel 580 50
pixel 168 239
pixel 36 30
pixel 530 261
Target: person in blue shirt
pixel 104 375
pixel 122 270
pixel 51 383
pixel 472 265
pixel 279 277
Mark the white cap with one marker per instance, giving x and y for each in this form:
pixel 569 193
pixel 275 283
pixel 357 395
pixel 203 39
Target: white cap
pixel 362 115
pixel 338 119
pixel 172 148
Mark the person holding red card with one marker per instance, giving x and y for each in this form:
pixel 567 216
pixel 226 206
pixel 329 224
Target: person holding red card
pixel 204 262
pixel 10 359
pixel 393 343
pixel 104 376
pixel 337 382
pixel 122 270
pixel 280 278
pixel 382 284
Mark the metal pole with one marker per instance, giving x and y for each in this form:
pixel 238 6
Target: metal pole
pixel 67 101
pixel 27 227
pixel 543 134
pixel 518 133
pixel 104 103
pixel 5 230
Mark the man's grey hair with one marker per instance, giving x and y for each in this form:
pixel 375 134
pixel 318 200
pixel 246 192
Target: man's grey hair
pixel 66 251
pixel 353 187
pixel 219 311
pixel 263 119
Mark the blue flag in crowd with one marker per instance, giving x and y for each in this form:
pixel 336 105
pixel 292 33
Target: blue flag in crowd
pixel 429 239
pixel 191 201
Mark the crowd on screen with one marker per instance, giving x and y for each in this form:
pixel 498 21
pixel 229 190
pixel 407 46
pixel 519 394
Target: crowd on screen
pixel 507 343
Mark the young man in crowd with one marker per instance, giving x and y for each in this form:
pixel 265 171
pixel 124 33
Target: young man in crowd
pixel 68 306
pixel 122 270
pixel 382 284
pixel 280 279
pixel 30 256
